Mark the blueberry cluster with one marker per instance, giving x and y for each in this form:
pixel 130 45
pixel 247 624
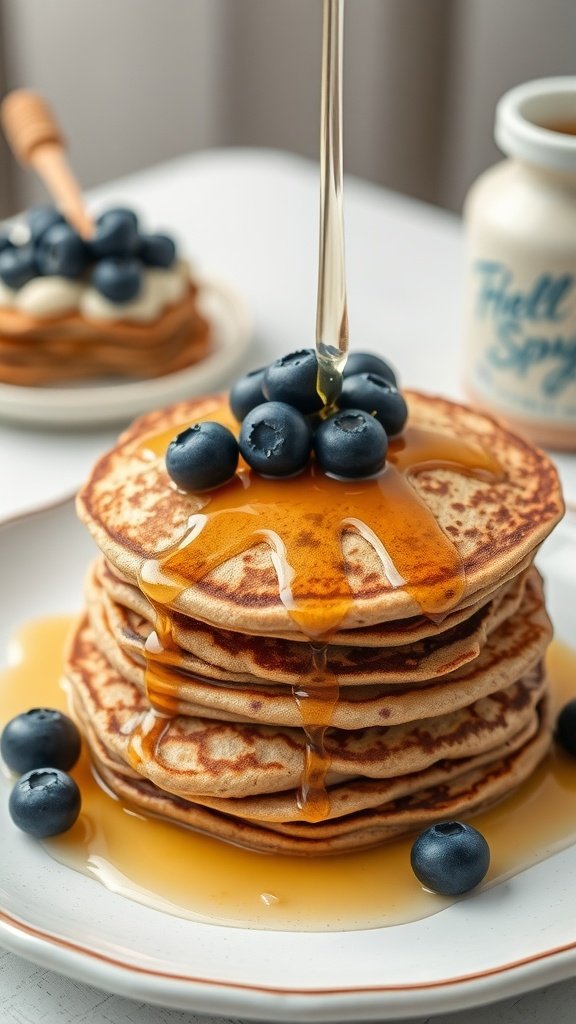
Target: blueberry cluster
pixel 41 746
pixel 113 260
pixel 279 408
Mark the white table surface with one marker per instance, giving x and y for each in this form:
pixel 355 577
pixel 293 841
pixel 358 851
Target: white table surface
pixel 251 219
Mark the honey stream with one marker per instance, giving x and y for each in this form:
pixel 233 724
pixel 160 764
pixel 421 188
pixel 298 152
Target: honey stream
pixel 190 875
pixel 331 310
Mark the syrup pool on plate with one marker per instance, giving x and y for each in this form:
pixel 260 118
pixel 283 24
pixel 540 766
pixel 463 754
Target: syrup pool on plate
pixel 178 871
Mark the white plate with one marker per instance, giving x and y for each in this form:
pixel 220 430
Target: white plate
pixel 513 937
pixel 98 404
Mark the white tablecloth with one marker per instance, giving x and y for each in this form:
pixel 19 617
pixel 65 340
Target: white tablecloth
pixel 251 219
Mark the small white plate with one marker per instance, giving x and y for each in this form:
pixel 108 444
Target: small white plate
pixel 509 939
pixel 89 404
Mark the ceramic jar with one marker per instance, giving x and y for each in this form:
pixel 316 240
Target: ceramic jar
pixel 520 221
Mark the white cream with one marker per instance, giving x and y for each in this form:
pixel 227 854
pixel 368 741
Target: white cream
pixel 53 296
pixel 49 296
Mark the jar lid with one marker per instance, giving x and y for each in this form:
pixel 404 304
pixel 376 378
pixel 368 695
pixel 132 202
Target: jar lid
pixel 536 122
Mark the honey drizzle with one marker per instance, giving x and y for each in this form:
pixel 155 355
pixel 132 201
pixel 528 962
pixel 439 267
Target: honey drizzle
pixel 316 703
pixel 145 735
pixel 302 520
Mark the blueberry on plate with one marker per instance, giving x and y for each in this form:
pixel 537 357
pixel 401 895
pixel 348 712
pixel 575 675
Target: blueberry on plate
pixel 275 439
pixel 61 251
pixel 377 396
pixel 18 266
pixel 292 380
pixel 351 444
pixel 202 457
pixel 40 218
pixel 5 242
pixel 157 250
pixel 566 727
pixel 38 737
pixel 247 393
pixel 450 858
pixel 117 278
pixel 116 234
pixel 366 362
pixel 45 802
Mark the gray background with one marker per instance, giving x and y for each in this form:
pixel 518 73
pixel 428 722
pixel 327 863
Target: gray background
pixel 137 81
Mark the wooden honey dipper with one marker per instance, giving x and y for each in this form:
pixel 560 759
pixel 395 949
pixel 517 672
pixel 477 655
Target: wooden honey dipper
pixel 36 140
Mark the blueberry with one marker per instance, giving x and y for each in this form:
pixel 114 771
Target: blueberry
pixel 18 266
pixel 118 279
pixel 45 802
pixel 40 218
pixel 61 251
pixel 366 362
pixel 275 439
pixel 292 379
pixel 247 393
pixel 116 234
pixel 38 737
pixel 566 727
pixel 5 242
pixel 202 457
pixel 450 858
pixel 377 396
pixel 157 250
pixel 351 444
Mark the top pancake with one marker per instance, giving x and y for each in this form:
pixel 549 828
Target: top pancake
pixel 135 513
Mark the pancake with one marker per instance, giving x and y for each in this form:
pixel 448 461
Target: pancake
pixel 280 811
pixel 515 645
pixel 364 829
pixel 381 634
pixel 227 657
pixel 494 524
pixel 191 756
pixel 72 347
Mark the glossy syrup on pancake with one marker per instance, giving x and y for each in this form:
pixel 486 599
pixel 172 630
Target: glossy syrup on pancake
pixel 303 519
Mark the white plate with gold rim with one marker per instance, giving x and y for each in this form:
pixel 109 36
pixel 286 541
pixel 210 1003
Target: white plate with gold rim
pixel 95 404
pixel 508 939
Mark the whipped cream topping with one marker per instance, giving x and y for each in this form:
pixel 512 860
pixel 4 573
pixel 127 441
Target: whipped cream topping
pixel 45 297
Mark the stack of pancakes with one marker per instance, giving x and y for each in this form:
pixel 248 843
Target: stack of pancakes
pixel 50 350
pixel 437 716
